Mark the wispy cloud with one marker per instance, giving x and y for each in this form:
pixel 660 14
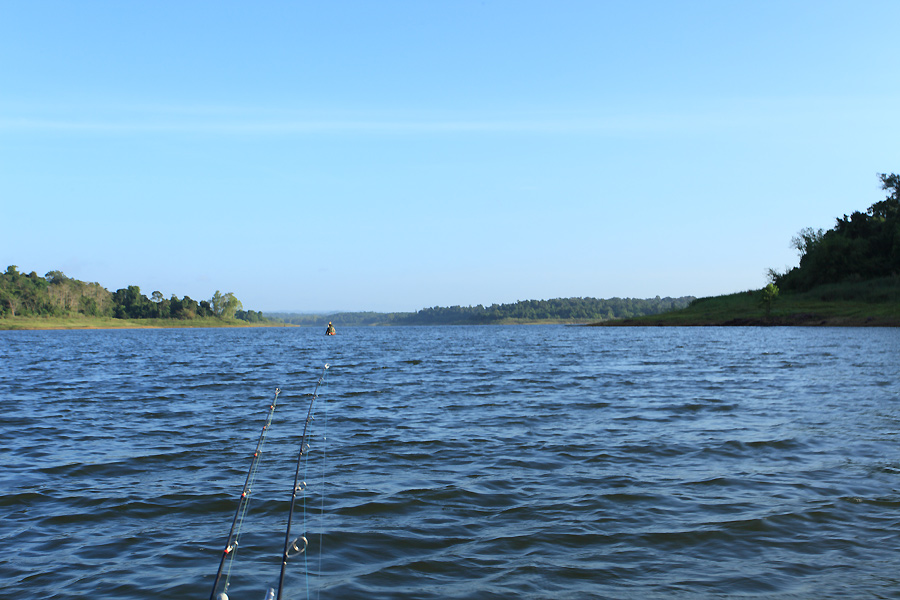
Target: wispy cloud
pixel 623 124
pixel 221 120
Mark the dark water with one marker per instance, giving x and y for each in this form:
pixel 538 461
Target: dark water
pixel 527 462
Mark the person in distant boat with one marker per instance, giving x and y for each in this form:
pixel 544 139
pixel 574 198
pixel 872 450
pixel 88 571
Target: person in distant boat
pixel 330 329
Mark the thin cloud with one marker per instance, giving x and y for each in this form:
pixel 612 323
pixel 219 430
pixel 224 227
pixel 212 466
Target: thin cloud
pixel 400 127
pixel 218 120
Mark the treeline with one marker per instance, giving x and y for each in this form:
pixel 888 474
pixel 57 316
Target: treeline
pixel 55 295
pixel 860 247
pixel 559 309
pixel 340 318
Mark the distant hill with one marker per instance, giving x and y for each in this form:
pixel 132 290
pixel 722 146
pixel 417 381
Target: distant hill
pixel 559 310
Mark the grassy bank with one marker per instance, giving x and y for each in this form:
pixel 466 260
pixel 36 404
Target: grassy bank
pixel 861 304
pixel 82 322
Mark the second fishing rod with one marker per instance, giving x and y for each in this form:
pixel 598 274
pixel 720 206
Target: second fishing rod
pixel 291 547
pixel 299 486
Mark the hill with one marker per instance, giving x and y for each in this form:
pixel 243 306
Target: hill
pixel 861 247
pixel 849 275
pixel 558 310
pixel 868 303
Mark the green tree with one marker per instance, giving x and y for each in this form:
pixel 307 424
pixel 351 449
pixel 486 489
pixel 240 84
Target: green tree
pixel 189 308
pixel 56 277
pixel 130 303
pixel 88 306
pixel 768 296
pixel 225 305
pixel 807 239
pixel 890 206
pixel 218 303
pixel 160 306
pixel 176 308
pixel 230 306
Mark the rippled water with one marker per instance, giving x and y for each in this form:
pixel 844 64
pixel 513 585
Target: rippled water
pixel 460 462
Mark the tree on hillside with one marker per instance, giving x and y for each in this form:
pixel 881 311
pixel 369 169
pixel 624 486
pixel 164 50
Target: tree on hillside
pixel 889 207
pixel 861 246
pixel 806 239
pixel 768 297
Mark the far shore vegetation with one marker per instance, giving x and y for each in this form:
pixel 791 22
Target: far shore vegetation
pixel 83 322
pixel 557 310
pixel 848 276
pixel 55 301
pixel 873 303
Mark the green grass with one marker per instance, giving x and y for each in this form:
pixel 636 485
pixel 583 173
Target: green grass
pixel 863 303
pixel 82 322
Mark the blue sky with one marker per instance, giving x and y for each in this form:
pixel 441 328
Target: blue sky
pixel 394 155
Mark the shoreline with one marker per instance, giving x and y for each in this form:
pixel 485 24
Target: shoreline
pixel 807 320
pixel 690 317
pixel 95 323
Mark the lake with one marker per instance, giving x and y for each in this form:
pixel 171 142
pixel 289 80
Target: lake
pixel 454 462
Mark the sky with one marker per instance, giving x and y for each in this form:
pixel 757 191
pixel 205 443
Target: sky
pixel 391 155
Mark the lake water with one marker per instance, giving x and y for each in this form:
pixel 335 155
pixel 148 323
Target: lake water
pixel 454 462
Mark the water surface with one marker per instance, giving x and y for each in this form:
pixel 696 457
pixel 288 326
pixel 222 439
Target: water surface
pixel 455 462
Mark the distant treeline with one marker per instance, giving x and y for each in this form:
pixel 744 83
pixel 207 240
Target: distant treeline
pixel 55 295
pixel 861 247
pixel 559 309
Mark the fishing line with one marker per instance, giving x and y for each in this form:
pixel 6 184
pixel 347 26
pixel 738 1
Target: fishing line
pixel 293 547
pixel 234 535
pixel 306 477
pixel 322 495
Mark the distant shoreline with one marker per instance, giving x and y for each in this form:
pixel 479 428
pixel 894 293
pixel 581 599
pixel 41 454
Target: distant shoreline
pixel 88 323
pixel 79 323
pixel 799 320
pixel 865 304
pixel 735 310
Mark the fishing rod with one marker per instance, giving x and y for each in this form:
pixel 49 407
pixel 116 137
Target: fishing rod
pixel 291 545
pixel 235 534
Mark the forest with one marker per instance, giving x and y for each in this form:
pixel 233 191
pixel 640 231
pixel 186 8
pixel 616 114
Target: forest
pixel 559 309
pixel 55 295
pixel 860 247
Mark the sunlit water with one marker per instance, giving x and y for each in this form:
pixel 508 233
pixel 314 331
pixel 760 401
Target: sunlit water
pixel 454 462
